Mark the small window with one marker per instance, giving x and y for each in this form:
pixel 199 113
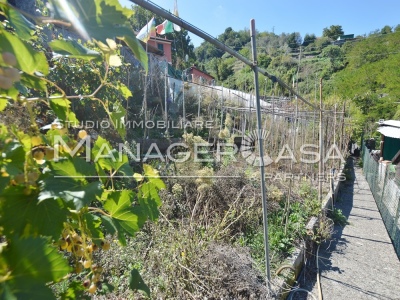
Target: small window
pixel 160 47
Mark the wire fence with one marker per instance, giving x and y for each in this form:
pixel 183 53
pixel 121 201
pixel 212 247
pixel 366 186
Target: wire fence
pixel 385 187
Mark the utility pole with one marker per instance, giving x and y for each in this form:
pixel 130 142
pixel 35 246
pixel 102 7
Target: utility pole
pixel 261 152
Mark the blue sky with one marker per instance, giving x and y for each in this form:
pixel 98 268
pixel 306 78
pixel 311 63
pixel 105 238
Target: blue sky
pixel 309 16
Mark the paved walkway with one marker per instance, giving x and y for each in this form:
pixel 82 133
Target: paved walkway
pixel 359 262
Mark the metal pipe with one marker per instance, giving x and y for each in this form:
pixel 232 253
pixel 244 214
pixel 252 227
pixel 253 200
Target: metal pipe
pixel 261 152
pixel 178 21
pixel 321 145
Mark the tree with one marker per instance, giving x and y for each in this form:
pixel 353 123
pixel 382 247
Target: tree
pixel 294 40
pixel 308 39
pixel 333 32
pixel 386 29
pixel 335 55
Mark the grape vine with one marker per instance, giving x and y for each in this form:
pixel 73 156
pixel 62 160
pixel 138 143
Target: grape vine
pixel 60 200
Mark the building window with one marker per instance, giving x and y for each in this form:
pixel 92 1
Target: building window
pixel 160 47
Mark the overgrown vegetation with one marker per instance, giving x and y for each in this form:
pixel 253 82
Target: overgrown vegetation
pixel 58 208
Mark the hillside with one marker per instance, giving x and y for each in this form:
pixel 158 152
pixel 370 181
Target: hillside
pixel 361 71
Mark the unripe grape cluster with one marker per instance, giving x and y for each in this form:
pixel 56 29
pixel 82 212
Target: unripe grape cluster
pixel 82 248
pixel 8 74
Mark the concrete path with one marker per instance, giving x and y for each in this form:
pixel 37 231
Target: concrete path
pixel 359 262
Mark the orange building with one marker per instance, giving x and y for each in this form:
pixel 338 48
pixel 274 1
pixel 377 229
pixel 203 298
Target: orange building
pixel 163 45
pixel 198 76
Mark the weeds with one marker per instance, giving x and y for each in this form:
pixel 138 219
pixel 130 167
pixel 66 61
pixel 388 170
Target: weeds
pixel 338 218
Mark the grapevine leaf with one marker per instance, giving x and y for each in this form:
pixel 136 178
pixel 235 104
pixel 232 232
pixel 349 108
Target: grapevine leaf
pixel 75 167
pixel 123 89
pixel 115 61
pixel 70 190
pixel 28 59
pixel 149 171
pixel 149 204
pixel 3 104
pixel 61 108
pixel 119 206
pixel 112 227
pixel 73 49
pixel 67 180
pixel 136 48
pixel 108 225
pixel 93 224
pixel 14 158
pixel 118 119
pixel 11 93
pixel 27 290
pixel 110 159
pixel 21 25
pixel 136 282
pixel 33 261
pixel 102 20
pixel 33 82
pixel 24 215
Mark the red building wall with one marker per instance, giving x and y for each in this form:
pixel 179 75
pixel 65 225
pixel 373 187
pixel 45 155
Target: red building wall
pixel 166 47
pixel 197 75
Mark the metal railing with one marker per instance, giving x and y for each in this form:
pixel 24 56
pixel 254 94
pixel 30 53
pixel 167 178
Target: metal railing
pixel 385 187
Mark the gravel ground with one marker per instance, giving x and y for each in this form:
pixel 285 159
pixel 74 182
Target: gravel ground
pixel 359 262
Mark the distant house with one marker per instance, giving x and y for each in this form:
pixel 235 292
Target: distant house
pixel 196 75
pixel 390 139
pixel 343 38
pixel 163 46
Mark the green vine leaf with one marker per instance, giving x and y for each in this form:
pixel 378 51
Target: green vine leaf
pixel 124 90
pixel 93 224
pixel 25 215
pixel 72 49
pixel 11 93
pixel 61 108
pixel 118 119
pixel 33 263
pixel 119 206
pixel 137 49
pixel 70 190
pixel 110 159
pixel 3 103
pixel 28 60
pixel 102 20
pixel 13 158
pixel 68 180
pixel 136 282
pixel 33 82
pixel 22 26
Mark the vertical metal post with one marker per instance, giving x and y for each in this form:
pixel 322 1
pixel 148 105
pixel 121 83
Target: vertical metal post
pixel 183 102
pixel 166 96
pixel 321 144
pixel 222 106
pixel 261 151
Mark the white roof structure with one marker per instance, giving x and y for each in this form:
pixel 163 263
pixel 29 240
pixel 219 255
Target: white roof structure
pixel 390 128
pixel 393 123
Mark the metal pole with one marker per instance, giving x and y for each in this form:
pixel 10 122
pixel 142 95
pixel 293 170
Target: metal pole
pixel 183 102
pixel 166 96
pixel 261 152
pixel 321 144
pixel 178 21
